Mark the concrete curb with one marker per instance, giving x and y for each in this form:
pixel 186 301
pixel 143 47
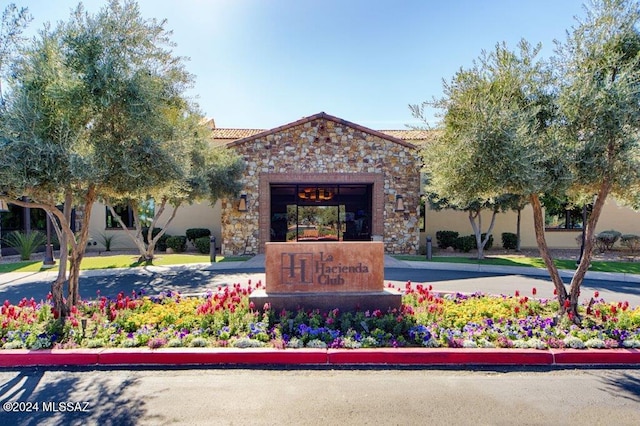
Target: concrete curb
pixel 19 358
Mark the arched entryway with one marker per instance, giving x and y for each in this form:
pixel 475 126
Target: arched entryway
pixel 320 212
pixel 320 207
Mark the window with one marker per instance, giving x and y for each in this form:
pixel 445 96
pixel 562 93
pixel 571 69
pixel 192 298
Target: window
pixel 558 216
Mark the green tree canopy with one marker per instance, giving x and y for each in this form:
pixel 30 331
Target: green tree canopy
pixel 91 112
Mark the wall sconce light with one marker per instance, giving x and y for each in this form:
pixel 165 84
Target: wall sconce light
pixel 242 205
pixel 399 203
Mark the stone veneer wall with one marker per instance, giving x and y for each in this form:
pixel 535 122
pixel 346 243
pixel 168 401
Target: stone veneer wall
pixel 323 150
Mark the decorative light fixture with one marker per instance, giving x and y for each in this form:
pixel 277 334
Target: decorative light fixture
pixel 242 205
pixel 399 203
pixel 315 194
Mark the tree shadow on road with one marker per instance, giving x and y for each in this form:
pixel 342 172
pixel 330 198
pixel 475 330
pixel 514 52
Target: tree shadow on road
pixel 625 386
pixel 66 398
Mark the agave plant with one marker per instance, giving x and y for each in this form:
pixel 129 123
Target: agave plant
pixel 25 243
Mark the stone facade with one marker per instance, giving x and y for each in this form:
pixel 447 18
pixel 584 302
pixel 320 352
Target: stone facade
pixel 325 149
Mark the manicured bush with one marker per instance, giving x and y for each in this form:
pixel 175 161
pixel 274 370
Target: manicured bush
pixel 177 243
pixel 194 233
pixel 465 244
pixel 203 245
pixel 446 239
pixel 509 241
pixel 631 242
pixel 161 245
pixel 487 246
pixel 605 240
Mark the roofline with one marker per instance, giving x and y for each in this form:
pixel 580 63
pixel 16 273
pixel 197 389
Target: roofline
pixel 322 115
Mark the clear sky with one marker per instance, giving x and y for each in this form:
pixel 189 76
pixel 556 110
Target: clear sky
pixel 265 63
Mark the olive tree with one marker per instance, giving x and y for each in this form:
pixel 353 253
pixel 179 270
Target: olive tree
pixel 88 99
pixel 492 142
pixel 599 94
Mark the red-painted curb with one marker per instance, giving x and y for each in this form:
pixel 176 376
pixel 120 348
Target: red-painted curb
pixel 268 356
pixel 440 356
pixel 29 358
pixel 596 356
pixel 218 356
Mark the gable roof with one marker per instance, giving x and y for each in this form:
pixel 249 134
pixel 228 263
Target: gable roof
pixel 250 135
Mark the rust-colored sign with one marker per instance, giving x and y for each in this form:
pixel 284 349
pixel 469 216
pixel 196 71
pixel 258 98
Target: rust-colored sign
pixel 324 267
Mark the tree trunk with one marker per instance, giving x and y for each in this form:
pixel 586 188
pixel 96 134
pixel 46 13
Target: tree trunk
pixel 477 230
pixel 78 249
pixel 538 222
pixel 518 223
pixel 57 288
pixel 585 261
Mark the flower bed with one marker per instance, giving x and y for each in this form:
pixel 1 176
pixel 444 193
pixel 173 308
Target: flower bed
pixel 226 319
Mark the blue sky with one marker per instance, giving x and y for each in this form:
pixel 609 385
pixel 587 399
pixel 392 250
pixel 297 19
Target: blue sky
pixel 264 63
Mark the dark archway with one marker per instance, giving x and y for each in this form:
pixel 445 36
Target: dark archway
pixel 321 212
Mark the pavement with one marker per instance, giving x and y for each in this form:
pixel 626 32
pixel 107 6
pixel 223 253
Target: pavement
pixel 231 272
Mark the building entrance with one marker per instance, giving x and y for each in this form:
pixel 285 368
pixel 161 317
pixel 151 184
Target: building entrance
pixel 321 212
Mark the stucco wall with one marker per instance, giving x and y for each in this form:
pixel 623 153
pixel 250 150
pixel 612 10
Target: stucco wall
pixel 201 215
pixel 324 146
pixel 614 216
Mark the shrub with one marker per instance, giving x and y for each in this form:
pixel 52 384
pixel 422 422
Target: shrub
pixel 446 239
pixel 465 244
pixel 203 245
pixel 605 240
pixel 194 233
pixel 177 243
pixel 509 241
pixel 26 244
pixel 483 236
pixel 631 242
pixel 107 240
pixel 161 245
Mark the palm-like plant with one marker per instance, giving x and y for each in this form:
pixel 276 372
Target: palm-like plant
pixel 25 243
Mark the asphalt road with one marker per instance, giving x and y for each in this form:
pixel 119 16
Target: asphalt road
pixel 320 397
pixel 199 279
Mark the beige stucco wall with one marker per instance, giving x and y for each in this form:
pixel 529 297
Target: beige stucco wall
pixel 200 215
pixel 614 216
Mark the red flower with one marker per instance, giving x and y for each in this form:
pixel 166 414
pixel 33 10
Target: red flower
pixel 252 306
pixel 517 293
pixel 596 294
pixel 534 291
pixel 567 303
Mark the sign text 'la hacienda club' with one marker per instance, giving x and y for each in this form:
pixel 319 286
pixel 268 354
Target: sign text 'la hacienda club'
pixel 307 268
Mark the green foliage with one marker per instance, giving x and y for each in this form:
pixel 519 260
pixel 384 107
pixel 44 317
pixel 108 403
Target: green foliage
pixel 107 240
pixel 177 243
pixel 509 241
pixel 25 243
pixel 195 233
pixel 446 239
pixel 466 243
pixel 489 243
pixel 203 245
pixel 605 240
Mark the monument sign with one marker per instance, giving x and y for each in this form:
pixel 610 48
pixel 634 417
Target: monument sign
pixel 325 275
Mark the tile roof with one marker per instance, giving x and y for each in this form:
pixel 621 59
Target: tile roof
pixel 322 116
pixel 224 136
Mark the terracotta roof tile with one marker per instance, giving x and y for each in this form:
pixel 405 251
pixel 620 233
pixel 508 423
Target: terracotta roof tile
pixel 234 134
pixel 222 136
